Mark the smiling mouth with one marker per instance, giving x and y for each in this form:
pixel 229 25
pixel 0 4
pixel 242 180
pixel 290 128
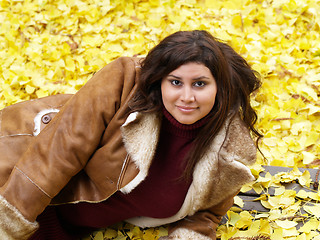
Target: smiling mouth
pixel 186 109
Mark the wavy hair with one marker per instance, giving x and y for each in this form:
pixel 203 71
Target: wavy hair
pixel 235 79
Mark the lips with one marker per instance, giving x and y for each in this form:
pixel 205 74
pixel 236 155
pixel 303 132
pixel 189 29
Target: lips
pixel 186 108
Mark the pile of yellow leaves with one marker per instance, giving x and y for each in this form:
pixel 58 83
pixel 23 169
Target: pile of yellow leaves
pixel 55 46
pixel 126 231
pixel 291 213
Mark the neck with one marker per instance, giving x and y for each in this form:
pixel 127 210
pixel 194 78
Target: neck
pixel 184 130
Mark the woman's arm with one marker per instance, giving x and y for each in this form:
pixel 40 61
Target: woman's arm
pixel 200 226
pixel 63 148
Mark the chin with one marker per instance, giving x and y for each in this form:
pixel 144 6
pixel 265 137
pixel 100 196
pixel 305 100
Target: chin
pixel 186 122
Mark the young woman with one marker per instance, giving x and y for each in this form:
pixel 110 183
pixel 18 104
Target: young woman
pixel 163 140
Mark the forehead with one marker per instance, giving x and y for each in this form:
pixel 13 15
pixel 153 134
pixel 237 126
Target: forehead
pixel 191 69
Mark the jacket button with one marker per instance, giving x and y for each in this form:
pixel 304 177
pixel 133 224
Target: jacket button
pixel 46 119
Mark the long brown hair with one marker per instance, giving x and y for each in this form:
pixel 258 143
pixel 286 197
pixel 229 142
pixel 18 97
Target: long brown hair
pixel 234 77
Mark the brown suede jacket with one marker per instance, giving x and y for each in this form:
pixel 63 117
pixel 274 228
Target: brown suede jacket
pixel 85 147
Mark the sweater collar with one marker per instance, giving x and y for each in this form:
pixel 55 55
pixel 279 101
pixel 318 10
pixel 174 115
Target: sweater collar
pixel 171 125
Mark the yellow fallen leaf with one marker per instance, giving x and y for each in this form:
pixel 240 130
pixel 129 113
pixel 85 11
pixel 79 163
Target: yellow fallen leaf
pixel 302 194
pixel 245 220
pixel 162 231
pixel 286 224
pixel 310 92
pixel 265 181
pixel 42 93
pixel 291 232
pixel 314 195
pixel 233 218
pixel 280 190
pixel 30 89
pixel 265 227
pixel 110 233
pixel 301 237
pixel 98 236
pixel 305 179
pixel 277 234
pixel 310 225
pixel 238 201
pixel 308 157
pixel 313 210
pixel 149 234
pixel 237 21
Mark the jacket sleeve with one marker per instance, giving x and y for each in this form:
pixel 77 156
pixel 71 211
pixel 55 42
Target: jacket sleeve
pixel 63 148
pixel 200 226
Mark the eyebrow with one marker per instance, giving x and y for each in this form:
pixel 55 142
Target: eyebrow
pixel 198 78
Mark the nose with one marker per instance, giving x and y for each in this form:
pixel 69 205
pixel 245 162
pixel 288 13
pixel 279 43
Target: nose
pixel 187 94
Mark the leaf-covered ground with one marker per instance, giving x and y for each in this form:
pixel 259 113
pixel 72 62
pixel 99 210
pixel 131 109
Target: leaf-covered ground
pixel 54 46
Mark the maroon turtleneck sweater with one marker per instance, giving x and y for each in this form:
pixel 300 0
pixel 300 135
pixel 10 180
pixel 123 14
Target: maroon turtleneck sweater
pixel 160 195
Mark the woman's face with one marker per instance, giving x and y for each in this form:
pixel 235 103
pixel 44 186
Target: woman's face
pixel 189 92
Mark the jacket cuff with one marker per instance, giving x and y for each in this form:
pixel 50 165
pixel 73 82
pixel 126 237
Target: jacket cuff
pixel 13 224
pixel 185 234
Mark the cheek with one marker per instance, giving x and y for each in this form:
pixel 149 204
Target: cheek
pixel 163 94
pixel 208 103
pixel 208 100
pixel 168 95
pixel 168 99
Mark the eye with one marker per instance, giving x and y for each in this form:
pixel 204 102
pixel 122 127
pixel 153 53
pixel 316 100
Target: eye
pixel 199 84
pixel 175 82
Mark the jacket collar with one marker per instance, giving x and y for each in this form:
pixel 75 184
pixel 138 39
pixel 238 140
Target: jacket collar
pixel 140 135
